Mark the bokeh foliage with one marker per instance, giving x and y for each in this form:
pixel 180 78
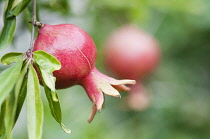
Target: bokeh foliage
pixel 180 106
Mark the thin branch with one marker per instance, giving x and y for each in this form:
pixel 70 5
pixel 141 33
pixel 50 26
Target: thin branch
pixel 34 23
pixel 33 27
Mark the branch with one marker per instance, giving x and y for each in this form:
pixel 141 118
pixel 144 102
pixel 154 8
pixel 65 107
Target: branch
pixel 34 23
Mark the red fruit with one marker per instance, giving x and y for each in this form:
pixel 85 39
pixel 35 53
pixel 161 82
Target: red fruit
pixel 132 53
pixel 76 51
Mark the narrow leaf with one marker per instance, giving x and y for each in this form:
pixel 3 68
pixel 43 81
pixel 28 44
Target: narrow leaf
pixel 12 9
pixel 34 106
pixel 2 116
pixel 20 91
pixel 27 16
pixel 55 108
pixel 46 61
pixel 21 97
pixel 11 58
pixel 8 78
pixel 48 79
pixel 15 3
pixel 8 7
pixel 11 102
pixel 7 33
pixel 18 7
pixel 54 105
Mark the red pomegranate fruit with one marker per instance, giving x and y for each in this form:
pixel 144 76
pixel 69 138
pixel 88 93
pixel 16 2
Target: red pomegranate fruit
pixel 76 51
pixel 131 53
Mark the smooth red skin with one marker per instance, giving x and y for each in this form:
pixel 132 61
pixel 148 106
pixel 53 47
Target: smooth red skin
pixel 131 53
pixel 73 47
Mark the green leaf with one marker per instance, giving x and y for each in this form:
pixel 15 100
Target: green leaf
pixel 9 27
pixel 48 79
pixel 18 7
pixel 11 58
pixel 20 91
pixel 62 6
pixel 7 7
pixel 48 82
pixel 15 3
pixel 8 78
pixel 2 116
pixel 46 61
pixel 11 102
pixel 7 33
pixel 54 105
pixel 12 9
pixel 34 106
pixel 21 97
pixel 55 108
pixel 27 16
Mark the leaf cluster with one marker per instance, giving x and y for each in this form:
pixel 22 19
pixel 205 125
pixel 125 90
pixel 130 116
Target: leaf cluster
pixel 12 9
pixel 21 82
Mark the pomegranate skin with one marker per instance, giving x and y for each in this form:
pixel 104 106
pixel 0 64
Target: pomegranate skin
pixel 131 53
pixel 70 45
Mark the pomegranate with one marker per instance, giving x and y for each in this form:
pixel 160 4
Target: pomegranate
pixel 132 53
pixel 76 51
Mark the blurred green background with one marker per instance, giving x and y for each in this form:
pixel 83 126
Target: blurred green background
pixel 180 104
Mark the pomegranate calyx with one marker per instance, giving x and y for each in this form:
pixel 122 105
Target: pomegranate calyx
pixel 111 86
pixel 93 113
pixel 97 83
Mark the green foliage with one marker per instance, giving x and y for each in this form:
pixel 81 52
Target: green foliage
pixel 11 57
pixel 7 33
pixel 18 6
pixel 11 107
pixel 49 80
pixel 60 6
pixel 55 107
pixel 34 106
pixel 8 78
pixel 46 61
pixel 12 9
pixel 21 88
pixel 21 81
pixel 46 64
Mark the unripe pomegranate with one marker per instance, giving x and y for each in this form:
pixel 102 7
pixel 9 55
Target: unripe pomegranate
pixel 76 51
pixel 132 53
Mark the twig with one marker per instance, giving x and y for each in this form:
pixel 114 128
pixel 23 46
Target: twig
pixel 33 28
pixel 34 23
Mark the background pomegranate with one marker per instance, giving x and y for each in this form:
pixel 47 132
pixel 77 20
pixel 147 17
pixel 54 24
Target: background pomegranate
pixel 132 53
pixel 76 51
